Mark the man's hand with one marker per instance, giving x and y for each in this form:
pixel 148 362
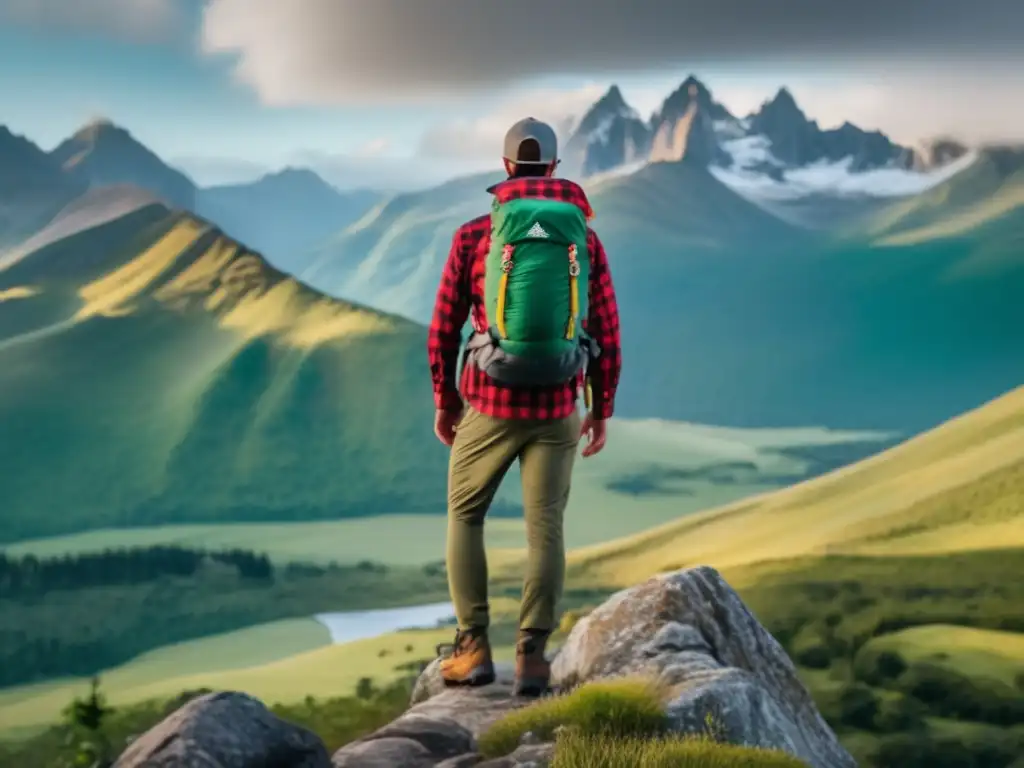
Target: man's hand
pixel 595 432
pixel 445 423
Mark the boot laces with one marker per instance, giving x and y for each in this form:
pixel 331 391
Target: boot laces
pixel 458 646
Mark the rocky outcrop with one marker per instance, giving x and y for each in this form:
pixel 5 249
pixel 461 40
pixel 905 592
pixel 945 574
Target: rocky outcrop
pixel 691 631
pixel 441 727
pixel 688 630
pixel 225 730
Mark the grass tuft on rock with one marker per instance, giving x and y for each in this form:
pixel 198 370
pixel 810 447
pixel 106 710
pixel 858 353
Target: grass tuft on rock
pixel 618 709
pixel 577 749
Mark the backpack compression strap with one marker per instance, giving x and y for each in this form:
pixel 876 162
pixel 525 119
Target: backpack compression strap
pixel 574 293
pixel 506 268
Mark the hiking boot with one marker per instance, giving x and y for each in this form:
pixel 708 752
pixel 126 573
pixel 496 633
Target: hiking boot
pixel 468 662
pixel 533 672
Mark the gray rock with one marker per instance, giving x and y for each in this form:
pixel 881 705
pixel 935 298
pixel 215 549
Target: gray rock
pixel 442 737
pixel 224 730
pixel 384 753
pixel 475 709
pixel 691 631
pixel 415 737
pixel 527 756
pixel 462 761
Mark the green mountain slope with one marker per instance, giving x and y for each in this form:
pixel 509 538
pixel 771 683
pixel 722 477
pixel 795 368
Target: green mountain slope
pixel 154 370
pixel 393 256
pixel 733 317
pixel 989 192
pixel 957 488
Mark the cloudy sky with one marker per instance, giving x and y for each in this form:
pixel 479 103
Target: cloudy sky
pixel 397 92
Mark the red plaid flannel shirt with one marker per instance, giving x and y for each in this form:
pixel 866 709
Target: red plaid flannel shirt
pixel 462 292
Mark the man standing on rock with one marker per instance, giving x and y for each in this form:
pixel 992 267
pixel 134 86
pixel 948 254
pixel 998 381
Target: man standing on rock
pixel 535 279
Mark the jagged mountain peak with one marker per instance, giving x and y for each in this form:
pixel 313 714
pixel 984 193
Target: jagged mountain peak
pixel 611 104
pixel 782 105
pixel 610 133
pixel 612 98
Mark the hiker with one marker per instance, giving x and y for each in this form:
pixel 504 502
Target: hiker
pixel 534 278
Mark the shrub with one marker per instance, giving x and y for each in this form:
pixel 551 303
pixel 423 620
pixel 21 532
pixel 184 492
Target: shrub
pixel 809 649
pixel 990 749
pixel 948 693
pixel 858 706
pixel 581 750
pixel 620 708
pixel 897 712
pixel 878 667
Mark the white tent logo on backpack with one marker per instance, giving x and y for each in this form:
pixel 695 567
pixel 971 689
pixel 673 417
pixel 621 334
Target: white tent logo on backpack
pixel 537 231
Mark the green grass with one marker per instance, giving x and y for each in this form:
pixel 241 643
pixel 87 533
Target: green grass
pixel 586 751
pixel 216 654
pixel 323 671
pixel 620 708
pixel 618 723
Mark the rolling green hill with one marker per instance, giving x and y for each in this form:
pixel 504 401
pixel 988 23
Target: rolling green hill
pixel 957 488
pixel 733 317
pixel 153 370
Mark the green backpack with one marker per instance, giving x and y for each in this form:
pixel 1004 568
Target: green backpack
pixel 535 291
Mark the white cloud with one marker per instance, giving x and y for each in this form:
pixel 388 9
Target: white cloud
pixel 375 147
pixel 837 179
pixel 481 138
pixel 137 20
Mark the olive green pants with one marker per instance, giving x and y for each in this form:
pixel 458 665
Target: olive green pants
pixel 483 452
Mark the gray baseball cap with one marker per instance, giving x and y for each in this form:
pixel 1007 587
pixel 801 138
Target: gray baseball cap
pixel 531 128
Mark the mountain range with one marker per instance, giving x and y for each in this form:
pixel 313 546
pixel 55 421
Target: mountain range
pixel 277 214
pixel 777 137
pixel 739 308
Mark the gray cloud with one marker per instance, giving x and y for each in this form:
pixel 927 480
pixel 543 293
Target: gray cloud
pixel 324 51
pixel 138 20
